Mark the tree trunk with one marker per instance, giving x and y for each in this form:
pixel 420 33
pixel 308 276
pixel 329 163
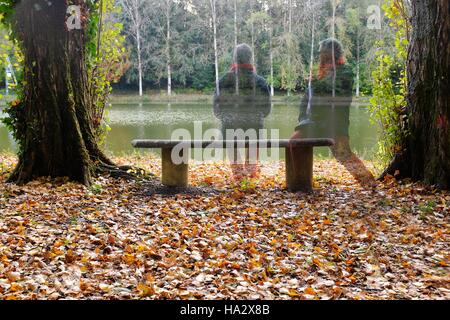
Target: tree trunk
pixel 139 54
pixel 236 80
pixel 426 154
pixel 235 24
pixel 216 53
pixel 311 63
pixel 169 62
pixel 136 18
pixel 358 66
pixel 252 25
pixel 290 16
pixel 272 89
pixel 333 56
pixel 290 33
pixel 253 37
pixel 54 117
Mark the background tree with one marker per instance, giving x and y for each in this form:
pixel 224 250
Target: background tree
pixel 216 53
pixel 287 52
pixel 192 53
pixel 135 17
pixel 107 65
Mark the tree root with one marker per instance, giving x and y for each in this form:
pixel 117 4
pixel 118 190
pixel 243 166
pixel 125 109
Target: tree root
pixel 121 172
pixel 398 168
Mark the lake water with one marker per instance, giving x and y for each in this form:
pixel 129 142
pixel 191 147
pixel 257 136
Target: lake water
pixel 158 121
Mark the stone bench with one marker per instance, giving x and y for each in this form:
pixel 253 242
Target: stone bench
pixel 299 158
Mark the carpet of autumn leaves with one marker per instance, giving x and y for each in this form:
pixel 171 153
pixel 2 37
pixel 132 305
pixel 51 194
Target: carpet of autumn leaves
pixel 133 240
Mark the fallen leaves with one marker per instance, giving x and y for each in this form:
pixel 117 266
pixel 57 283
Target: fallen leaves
pixel 310 291
pixel 145 290
pixel 13 276
pixel 121 240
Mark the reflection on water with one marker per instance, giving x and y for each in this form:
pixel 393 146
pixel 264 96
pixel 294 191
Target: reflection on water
pixel 158 121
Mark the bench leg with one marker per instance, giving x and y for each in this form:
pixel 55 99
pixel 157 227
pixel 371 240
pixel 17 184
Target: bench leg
pixel 173 175
pixel 299 169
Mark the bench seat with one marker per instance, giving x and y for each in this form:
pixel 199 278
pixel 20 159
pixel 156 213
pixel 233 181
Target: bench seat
pixel 299 158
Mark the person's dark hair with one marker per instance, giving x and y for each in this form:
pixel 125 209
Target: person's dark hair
pixel 242 54
pixel 326 47
pixel 326 56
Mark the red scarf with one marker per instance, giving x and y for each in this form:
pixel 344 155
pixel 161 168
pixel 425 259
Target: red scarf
pixel 326 68
pixel 246 66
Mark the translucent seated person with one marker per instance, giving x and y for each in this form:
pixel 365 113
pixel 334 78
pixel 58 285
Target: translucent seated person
pixel 241 103
pixel 325 107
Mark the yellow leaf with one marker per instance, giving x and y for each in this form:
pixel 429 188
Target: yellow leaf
pixel 146 291
pixel 128 258
pixel 104 287
pixel 141 248
pixel 317 262
pixel 293 293
pixel 15 287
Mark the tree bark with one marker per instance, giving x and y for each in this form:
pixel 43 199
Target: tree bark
pixel 426 154
pixel 235 24
pixel 333 56
pixel 54 117
pixel 139 54
pixel 252 9
pixel 358 65
pixel 311 62
pixel 139 47
pixel 236 80
pixel 216 53
pixel 272 88
pixel 290 33
pixel 169 60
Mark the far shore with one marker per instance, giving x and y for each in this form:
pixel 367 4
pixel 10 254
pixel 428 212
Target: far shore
pixel 185 98
pixel 158 97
